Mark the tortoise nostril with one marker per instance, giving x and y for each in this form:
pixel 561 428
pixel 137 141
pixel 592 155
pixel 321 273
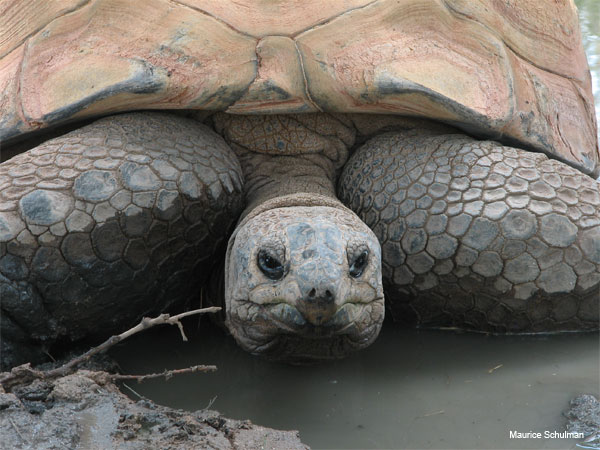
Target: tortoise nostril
pixel 320 295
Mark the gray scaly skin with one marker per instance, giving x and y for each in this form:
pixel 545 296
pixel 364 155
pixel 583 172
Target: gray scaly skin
pixel 472 233
pixel 108 223
pixel 479 235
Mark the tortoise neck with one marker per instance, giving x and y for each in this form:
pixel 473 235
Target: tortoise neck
pixel 270 177
pixel 290 201
pixel 282 155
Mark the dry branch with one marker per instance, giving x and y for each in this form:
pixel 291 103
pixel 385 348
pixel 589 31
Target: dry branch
pixel 167 374
pixel 25 373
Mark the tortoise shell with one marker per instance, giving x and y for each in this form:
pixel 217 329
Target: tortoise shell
pixel 512 71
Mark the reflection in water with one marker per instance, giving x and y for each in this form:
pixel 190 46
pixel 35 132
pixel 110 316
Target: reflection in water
pixel 411 389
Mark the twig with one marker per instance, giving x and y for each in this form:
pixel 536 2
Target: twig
pixel 495 368
pixel 167 374
pixel 212 400
pixel 25 373
pixel 49 356
pixel 163 319
pixel 131 389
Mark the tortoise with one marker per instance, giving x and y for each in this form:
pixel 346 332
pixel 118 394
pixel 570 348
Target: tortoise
pixel 314 156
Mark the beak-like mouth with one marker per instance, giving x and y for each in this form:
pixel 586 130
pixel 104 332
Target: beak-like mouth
pixel 290 319
pixel 352 319
pixel 279 331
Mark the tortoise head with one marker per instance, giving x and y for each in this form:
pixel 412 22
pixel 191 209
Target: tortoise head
pixel 304 283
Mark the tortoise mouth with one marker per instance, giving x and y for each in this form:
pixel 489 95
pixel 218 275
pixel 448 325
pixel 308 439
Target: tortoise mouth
pixel 279 331
pixel 289 318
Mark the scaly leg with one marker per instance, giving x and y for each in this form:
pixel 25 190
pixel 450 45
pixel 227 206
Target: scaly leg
pixel 478 235
pixel 110 222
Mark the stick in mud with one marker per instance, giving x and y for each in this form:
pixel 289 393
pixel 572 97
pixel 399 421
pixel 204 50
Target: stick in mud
pixel 25 373
pixel 168 374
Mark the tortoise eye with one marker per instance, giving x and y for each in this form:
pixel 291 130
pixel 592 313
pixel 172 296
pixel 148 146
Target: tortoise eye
pixel 359 264
pixel 270 266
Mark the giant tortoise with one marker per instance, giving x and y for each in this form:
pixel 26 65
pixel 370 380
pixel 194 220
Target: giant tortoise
pixel 442 152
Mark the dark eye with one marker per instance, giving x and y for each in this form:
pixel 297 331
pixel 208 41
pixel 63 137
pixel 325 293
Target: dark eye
pixel 270 266
pixel 358 265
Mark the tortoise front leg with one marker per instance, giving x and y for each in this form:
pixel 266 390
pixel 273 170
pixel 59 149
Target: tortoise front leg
pixel 108 223
pixel 478 235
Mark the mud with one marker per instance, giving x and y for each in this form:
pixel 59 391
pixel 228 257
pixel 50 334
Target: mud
pixel 86 410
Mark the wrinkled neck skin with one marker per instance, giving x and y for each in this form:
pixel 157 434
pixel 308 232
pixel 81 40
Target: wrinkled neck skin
pixel 269 178
pixel 292 288
pixel 287 155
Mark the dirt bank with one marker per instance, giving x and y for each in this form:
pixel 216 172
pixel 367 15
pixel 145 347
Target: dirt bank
pixel 86 410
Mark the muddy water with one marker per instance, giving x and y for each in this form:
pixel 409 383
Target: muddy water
pixel 411 389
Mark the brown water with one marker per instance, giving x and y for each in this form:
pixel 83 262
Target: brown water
pixel 411 389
